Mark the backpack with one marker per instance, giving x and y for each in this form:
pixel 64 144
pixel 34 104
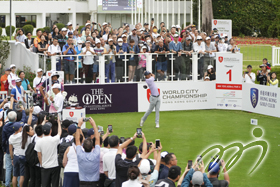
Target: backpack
pixel 62 148
pixel 31 155
pixel 6 85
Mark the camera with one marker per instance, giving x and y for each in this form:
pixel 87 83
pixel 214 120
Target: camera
pixel 120 48
pixel 85 119
pixel 217 160
pixel 111 46
pixel 53 116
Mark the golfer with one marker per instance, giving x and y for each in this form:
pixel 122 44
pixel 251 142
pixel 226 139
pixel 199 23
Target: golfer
pixel 154 98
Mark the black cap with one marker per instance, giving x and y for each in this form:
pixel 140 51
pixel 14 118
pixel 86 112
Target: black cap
pixel 249 66
pixel 146 24
pixel 46 129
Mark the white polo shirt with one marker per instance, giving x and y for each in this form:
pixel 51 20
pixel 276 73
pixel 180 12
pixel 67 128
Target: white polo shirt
pixel 53 49
pixel 109 163
pixel 88 60
pixel 247 79
pixel 58 101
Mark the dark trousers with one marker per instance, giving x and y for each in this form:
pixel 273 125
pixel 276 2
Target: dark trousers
pixel 177 66
pixel 26 175
pixel 119 69
pixel 89 184
pixel 87 69
pixel 102 179
pixel 2 173
pixel 35 176
pixel 50 177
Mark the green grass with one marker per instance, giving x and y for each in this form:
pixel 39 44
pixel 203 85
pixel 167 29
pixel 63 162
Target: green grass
pixel 189 133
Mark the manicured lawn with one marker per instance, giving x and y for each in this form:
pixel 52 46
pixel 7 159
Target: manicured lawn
pixel 189 133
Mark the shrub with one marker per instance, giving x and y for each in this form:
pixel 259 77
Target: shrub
pixel 33 23
pixel 29 75
pixel 0 31
pixel 28 28
pixel 47 29
pixel 42 29
pixel 4 50
pixel 60 25
pixel 7 29
pixel 17 30
pixel 80 28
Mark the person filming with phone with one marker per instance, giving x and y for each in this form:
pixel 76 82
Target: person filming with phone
pixel 249 76
pixel 213 175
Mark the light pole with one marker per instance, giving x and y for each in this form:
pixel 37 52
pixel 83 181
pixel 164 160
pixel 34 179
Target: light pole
pixel 10 19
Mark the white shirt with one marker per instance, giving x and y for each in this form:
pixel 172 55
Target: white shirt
pixel 200 47
pixel 222 47
pixel 72 163
pixel 88 60
pixel 109 163
pixel 12 78
pixel 247 79
pixel 53 49
pixel 15 140
pixel 104 150
pixel 58 101
pixel 37 81
pixel 131 183
pixel 105 37
pixel 48 147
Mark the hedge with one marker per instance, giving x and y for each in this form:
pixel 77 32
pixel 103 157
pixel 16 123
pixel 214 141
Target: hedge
pixel 80 28
pixel 60 25
pixel 0 31
pixel 42 29
pixel 7 29
pixel 33 23
pixel 28 28
pixel 47 29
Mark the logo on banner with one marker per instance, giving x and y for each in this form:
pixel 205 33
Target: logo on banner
pixel 254 96
pixel 215 22
pixel 221 59
pixel 149 93
pixel 71 114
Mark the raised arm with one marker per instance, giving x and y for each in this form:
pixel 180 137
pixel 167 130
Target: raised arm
pixel 126 143
pixel 96 134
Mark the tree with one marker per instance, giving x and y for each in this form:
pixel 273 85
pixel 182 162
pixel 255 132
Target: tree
pixel 4 51
pixel 207 16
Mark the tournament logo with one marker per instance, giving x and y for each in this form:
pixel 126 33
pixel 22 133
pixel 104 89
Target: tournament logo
pixel 254 96
pixel 221 59
pixel 149 93
pixel 71 114
pixel 215 22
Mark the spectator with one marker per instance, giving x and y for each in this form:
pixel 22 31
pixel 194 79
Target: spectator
pixel 187 46
pixel 121 49
pixel 38 80
pixel 199 47
pixel 87 34
pixel 88 59
pixel 18 93
pixel 210 73
pixel 43 45
pixel 69 28
pixel 53 50
pixel 196 177
pixel 249 76
pixel 133 49
pixel 210 50
pixel 268 66
pixel 19 36
pixel 65 128
pixel 24 82
pixel 173 176
pixel 62 38
pixel 161 64
pixel 87 25
pixel 148 43
pixel 17 154
pixel 37 40
pixel 68 62
pixel 4 79
pixel 134 37
pixel 46 83
pixel 273 81
pixel 49 39
pixel 226 39
pixel 29 41
pixel 262 75
pixel 176 48
pixel 222 47
pixel 214 170
pixel 12 78
pixel 98 50
pixel 106 34
pixel 88 157
pixel 232 47
pixel 142 63
pixel 111 61
pixel 47 155
pixel 170 160
pixel 55 33
pixel 133 173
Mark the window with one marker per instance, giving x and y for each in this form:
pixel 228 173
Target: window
pixel 2 21
pixel 25 20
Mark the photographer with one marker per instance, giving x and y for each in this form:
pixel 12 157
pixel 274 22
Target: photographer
pixel 262 75
pixel 56 102
pixel 249 76
pixel 68 62
pixel 187 46
pixel 53 50
pixel 213 175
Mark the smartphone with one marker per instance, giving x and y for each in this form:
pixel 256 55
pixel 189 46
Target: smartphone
pixel 189 164
pixel 150 144
pixel 153 19
pixel 122 139
pixel 246 72
pixel 110 128
pixel 139 132
pixel 102 133
pixel 86 119
pixel 9 98
pixel 157 143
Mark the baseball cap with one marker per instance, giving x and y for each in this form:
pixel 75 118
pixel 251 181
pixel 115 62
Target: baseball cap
pixel 216 36
pixel 7 105
pixel 39 70
pixel 56 86
pixel 173 26
pixel 209 67
pixel 144 47
pixel 120 40
pixel 197 178
pixel 97 41
pixel 145 166
pixel 104 23
pixel 163 154
pixel 208 38
pixel 79 41
pixel 207 77
pixel 176 35
pixel 55 73
pixel 72 129
pixel 123 35
pixel 134 28
pixel 198 38
pixel 70 33
pixel 8 69
pixel 90 132
pixel 37 110
pixel 125 31
pixel 249 66
pixel 12 65
pixel 63 29
pixel 147 73
pixel 214 167
pixel 46 128
pixel 17 125
pixel 263 65
pixel 87 24
pixel 178 27
pixel 193 26
pixel 174 171
pixel 188 38
pixel 146 23
pixel 215 29
pixel 69 23
pixel 18 80
pixel 110 39
pixel 87 41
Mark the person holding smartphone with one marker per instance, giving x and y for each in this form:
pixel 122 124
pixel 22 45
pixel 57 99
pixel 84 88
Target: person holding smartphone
pixel 249 76
pixel 154 98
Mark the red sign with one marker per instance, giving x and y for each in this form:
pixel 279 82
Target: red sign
pixel 221 59
pixel 49 74
pixel 71 114
pixel 215 22
pixel 229 86
pixel 149 93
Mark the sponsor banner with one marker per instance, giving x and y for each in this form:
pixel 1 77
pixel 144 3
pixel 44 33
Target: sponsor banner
pixel 230 94
pixel 179 96
pixel 224 27
pixel 74 115
pixel 261 99
pixel 229 86
pixel 108 98
pixel 229 103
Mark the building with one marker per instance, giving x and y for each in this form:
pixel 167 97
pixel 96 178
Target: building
pixel 43 13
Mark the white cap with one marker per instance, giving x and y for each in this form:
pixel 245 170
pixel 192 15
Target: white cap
pixel 133 28
pixel 87 24
pixel 110 39
pixel 208 38
pixel 69 23
pixel 56 86
pixel 178 27
pixel 120 39
pixel 207 77
pixel 97 41
pixel 163 154
pixel 157 35
pixel 79 41
pixel 124 35
pixel 63 29
pixel 216 36
pixel 173 26
pixel 12 65
pixel 37 110
pixel 18 80
pixel 144 47
pixel 55 73
pixel 145 166
pixel 104 23
pixel 39 70
pixel 199 37
pixel 209 67
pixel 176 35
pixel 7 105
pixel 188 38
pixel 87 41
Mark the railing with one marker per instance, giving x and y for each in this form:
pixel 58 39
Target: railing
pixel 255 53
pixel 275 56
pixel 28 93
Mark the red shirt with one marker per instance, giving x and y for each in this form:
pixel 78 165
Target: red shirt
pixel 3 78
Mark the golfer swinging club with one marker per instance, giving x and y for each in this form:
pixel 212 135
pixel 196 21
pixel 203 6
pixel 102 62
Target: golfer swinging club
pixel 154 98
